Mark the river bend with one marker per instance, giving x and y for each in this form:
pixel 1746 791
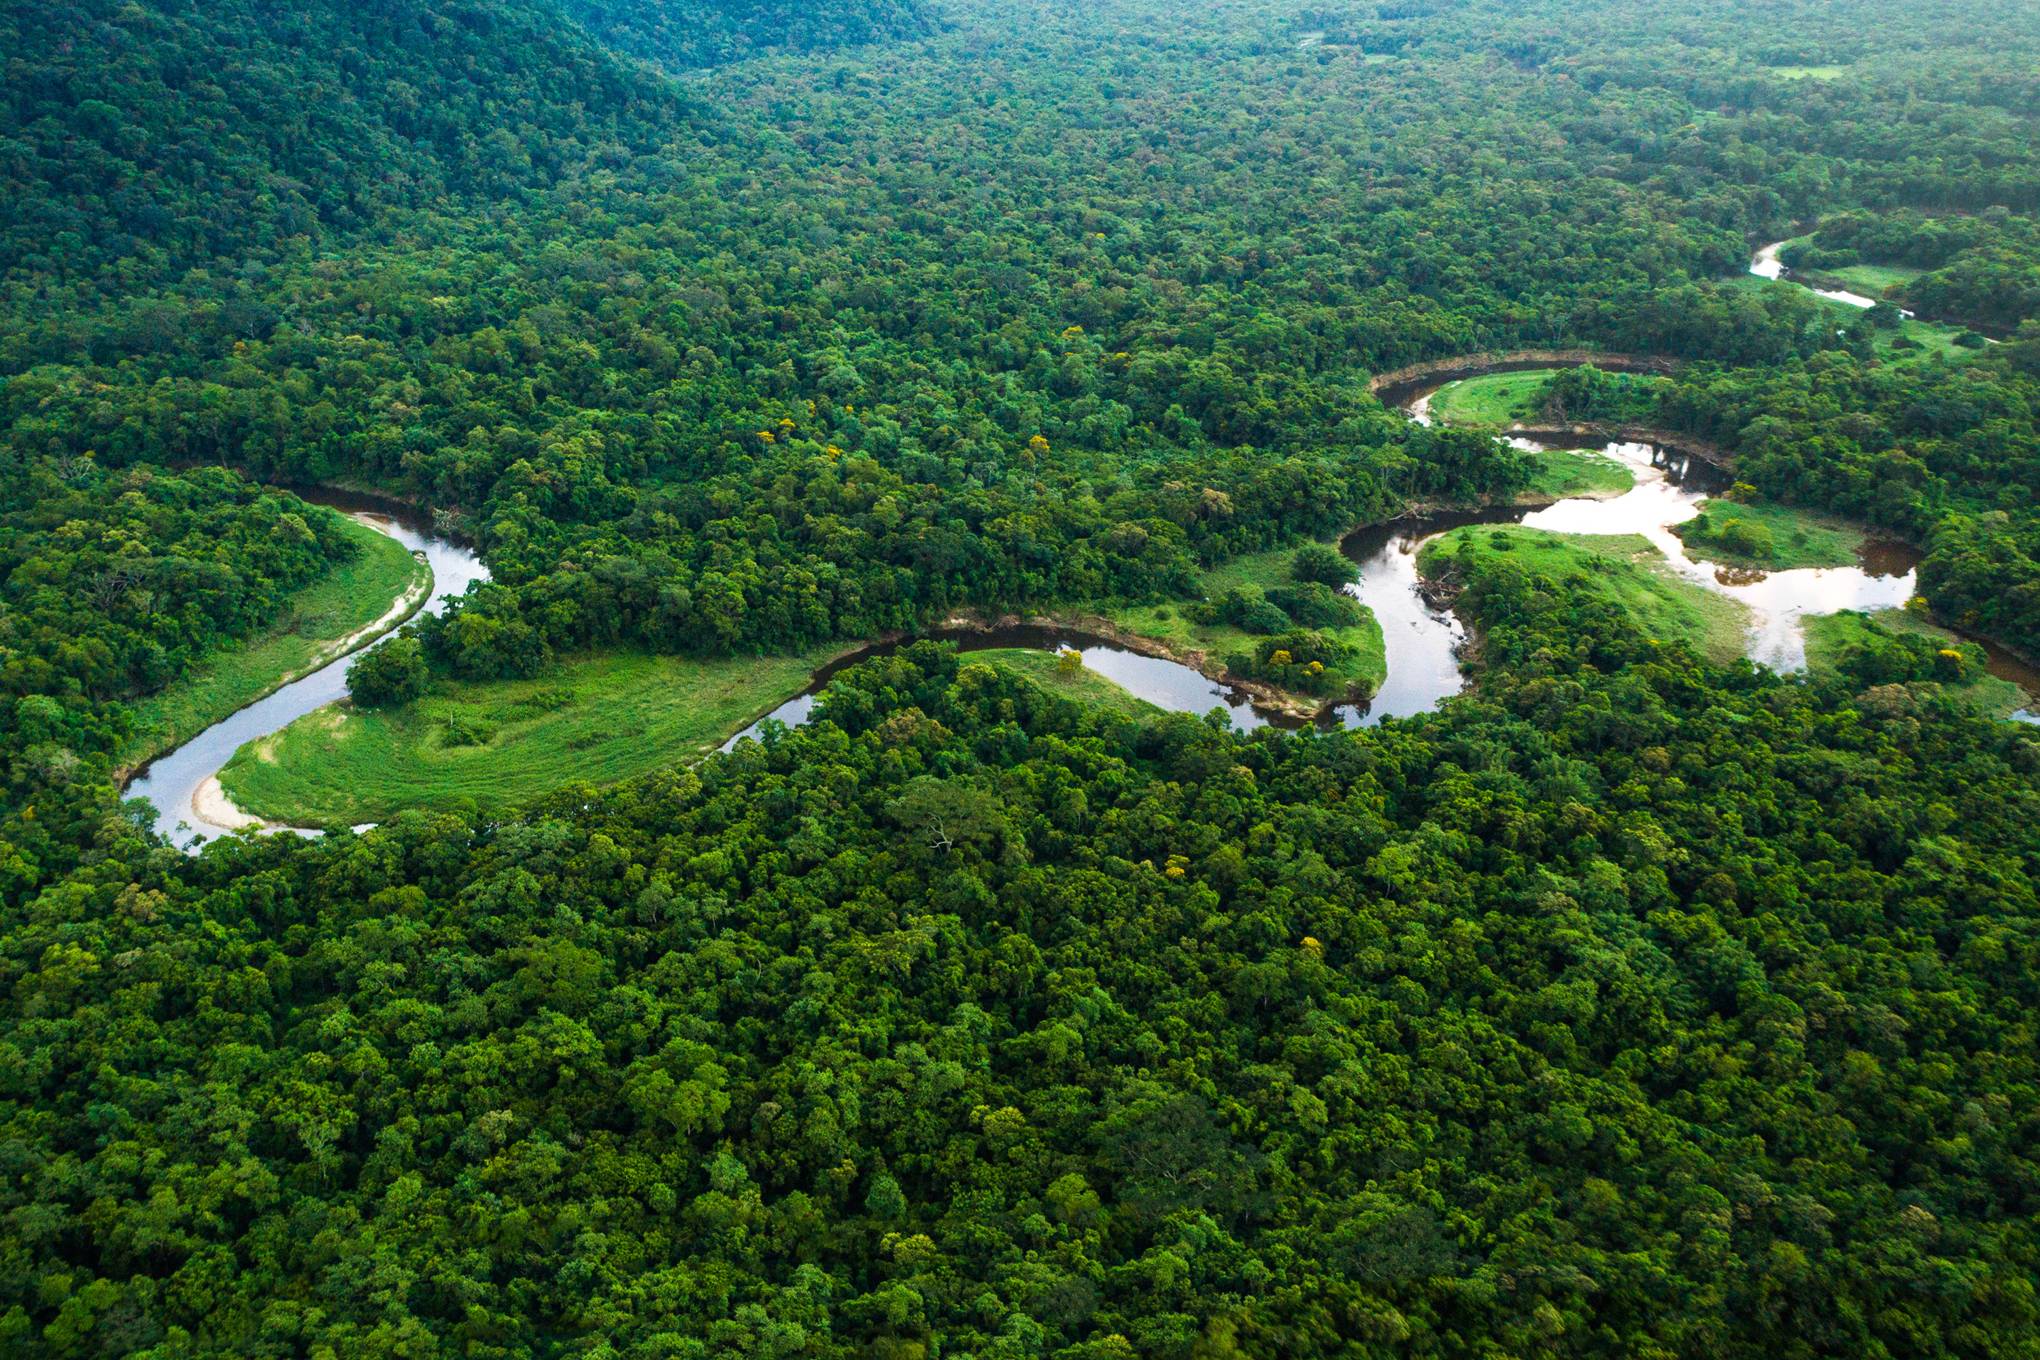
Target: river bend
pixel 182 784
pixel 1423 642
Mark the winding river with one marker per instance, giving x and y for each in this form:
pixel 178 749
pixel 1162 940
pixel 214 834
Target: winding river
pixel 183 786
pixel 1166 684
pixel 1766 265
pixel 1423 642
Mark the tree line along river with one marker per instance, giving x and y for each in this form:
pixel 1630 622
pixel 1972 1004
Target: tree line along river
pixel 1422 640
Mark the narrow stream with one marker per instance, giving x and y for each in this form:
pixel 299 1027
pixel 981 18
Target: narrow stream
pixel 1767 265
pixel 175 782
pixel 1166 684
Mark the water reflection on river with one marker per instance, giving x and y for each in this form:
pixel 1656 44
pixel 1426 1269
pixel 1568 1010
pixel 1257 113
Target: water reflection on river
pixel 1778 601
pixel 1165 684
pixel 171 781
pixel 1423 641
pixel 1767 265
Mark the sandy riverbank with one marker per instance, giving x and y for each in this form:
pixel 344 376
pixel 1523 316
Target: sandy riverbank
pixel 210 804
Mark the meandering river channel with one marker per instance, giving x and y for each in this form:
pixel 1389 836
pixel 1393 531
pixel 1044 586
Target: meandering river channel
pixel 1423 642
pixel 1161 682
pixel 182 784
pixel 1766 265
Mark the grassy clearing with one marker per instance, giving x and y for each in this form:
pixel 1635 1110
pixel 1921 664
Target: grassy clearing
pixel 1625 568
pixel 1930 340
pixel 1491 399
pixel 1872 279
pixel 1556 474
pixel 1927 339
pixel 1828 635
pixel 1255 571
pixel 304 638
pixel 497 744
pixel 1809 72
pixel 590 720
pixel 1770 537
pixel 1169 624
pixel 1510 398
pixel 1046 669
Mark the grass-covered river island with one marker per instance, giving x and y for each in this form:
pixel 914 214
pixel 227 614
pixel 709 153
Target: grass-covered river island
pixel 1625 570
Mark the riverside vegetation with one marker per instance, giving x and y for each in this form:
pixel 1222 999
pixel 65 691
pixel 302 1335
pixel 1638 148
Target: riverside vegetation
pixel 1638 1001
pixel 310 627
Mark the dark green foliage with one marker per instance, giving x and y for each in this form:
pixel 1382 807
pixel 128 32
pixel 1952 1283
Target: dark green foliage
pixel 157 134
pixel 684 34
pixel 961 1014
pixel 1303 660
pixel 390 674
pixel 1737 534
pixel 1315 562
pixel 1627 1007
pixel 1982 573
pixel 1460 464
pixel 1247 609
pixel 1587 393
pixel 1889 658
pixel 1280 608
pixel 1316 606
pixel 113 583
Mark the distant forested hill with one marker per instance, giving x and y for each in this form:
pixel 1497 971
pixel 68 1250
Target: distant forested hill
pixel 683 34
pixel 140 138
pixel 157 135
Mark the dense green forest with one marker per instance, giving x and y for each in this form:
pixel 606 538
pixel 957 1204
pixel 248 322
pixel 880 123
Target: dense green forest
pixel 1984 269
pixel 1633 1008
pixel 1630 1004
pixel 683 34
pixel 112 584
